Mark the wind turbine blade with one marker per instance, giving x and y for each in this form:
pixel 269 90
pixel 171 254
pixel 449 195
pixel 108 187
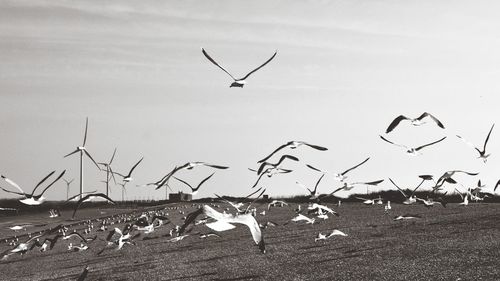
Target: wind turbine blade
pixel 86 127
pixel 71 153
pixel 88 155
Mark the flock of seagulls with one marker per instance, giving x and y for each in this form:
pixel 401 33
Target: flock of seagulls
pixel 217 219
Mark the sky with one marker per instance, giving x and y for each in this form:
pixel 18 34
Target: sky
pixel 344 71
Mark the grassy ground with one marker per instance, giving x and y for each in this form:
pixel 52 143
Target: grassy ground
pixel 445 244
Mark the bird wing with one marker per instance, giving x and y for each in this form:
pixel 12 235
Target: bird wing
pixel 317 183
pixel 395 123
pixel 220 226
pixel 11 182
pixel 190 218
pixel 184 182
pixel 400 145
pixel 258 179
pixel 361 198
pixel 313 168
pixel 71 153
pixel 214 62
pixel 434 142
pixel 303 186
pixel 336 232
pixel 202 182
pixel 467 142
pixel 276 150
pixel 400 190
pixel 426 114
pixel 250 73
pixel 315 146
pixel 73 197
pixel 350 169
pixel 487 138
pixel 58 178
pixel 83 199
pixel 215 166
pixel 370 182
pixel 44 179
pixel 468 173
pixel 131 170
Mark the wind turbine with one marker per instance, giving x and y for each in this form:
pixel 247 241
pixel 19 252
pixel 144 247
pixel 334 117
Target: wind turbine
pixel 108 171
pixel 123 189
pixel 68 183
pixel 83 150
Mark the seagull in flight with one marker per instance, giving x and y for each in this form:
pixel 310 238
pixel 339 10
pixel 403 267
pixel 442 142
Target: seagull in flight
pixel 225 222
pixel 482 153
pixel 312 192
pixel 412 150
pixel 335 232
pixel 31 199
pixel 446 177
pixel 412 198
pixel 414 121
pixel 341 177
pixel 128 177
pixel 264 164
pixel 88 197
pixel 269 172
pixel 301 217
pixel 241 81
pixel 194 190
pixel 293 145
pixel 187 166
pixel 348 186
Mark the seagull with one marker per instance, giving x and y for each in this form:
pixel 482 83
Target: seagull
pixel 82 148
pixel 195 190
pixel 206 235
pixel 409 199
pixel 446 177
pixel 412 150
pixel 407 217
pixel 271 171
pixel 368 201
pixel 482 153
pixel 293 145
pixel 187 166
pixel 264 164
pixel 320 208
pixel 429 202
pixel 240 203
pixel 414 121
pixel 128 177
pixel 276 203
pixel 241 81
pixel 388 206
pixel 335 232
pixel 225 222
pixel 341 177
pixel 312 192
pixel 31 199
pixel 89 197
pixel 301 217
pixel 348 186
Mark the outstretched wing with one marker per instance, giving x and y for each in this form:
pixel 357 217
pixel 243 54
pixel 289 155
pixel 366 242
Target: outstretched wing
pixel 400 145
pixel 487 138
pixel 395 123
pixel 400 190
pixel 202 182
pixel 276 150
pixel 14 192
pixel 11 182
pixel 218 65
pixel 52 183
pixel 350 169
pixel 85 198
pixel 250 73
pixel 315 146
pixel 131 170
pixel 426 114
pixel 434 142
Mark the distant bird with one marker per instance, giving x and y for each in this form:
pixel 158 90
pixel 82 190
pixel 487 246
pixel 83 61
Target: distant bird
pixel 241 81
pixel 194 190
pixel 8 209
pixel 293 145
pixel 128 177
pixel 429 202
pixel 411 198
pixel 187 166
pixel 482 153
pixel 276 203
pixel 341 177
pixel 225 222
pixel 264 164
pixel 412 150
pixel 89 197
pixel 387 207
pixel 312 192
pixel 210 234
pixel 414 121
pixel 407 217
pixel 31 199
pixel 348 186
pixel 320 208
pixel 301 217
pixel 368 201
pixel 335 232
pixel 269 172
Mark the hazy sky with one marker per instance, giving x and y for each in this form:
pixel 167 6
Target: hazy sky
pixel 344 70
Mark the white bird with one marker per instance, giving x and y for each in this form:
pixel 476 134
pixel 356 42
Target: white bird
pixel 276 203
pixel 315 207
pixel 241 81
pixel 341 177
pixel 31 199
pixel 368 201
pixel 128 177
pixel 269 172
pixel 335 232
pixel 293 145
pixel 348 186
pixel 274 165
pixel 388 206
pixel 225 222
pixel 414 121
pixel 407 217
pixel 412 150
pixel 411 198
pixel 301 217
pixel 312 192
pixel 482 153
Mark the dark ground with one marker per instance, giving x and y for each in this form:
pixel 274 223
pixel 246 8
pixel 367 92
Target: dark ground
pixel 454 243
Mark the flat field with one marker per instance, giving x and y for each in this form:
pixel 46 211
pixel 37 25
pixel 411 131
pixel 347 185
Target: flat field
pixel 453 243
